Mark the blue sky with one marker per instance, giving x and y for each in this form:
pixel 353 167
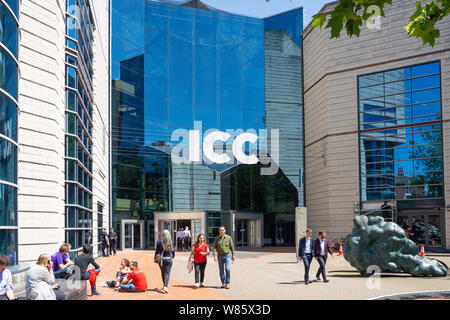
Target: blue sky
pixel 261 9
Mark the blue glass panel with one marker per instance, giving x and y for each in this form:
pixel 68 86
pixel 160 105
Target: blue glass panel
pixel 230 53
pixel 230 96
pixel 206 95
pixel 8 206
pixel 8 161
pixel 154 22
pixel 181 69
pixel 254 77
pixel 181 12
pixel 205 71
pixel 231 118
pixel 8 245
pixel 8 117
pixel 156 42
pixel 156 89
pixel 156 65
pixel 291 22
pixel 181 27
pixel 205 27
pixel 230 30
pixel 153 8
pixel 427 108
pixel 254 98
pixel 181 116
pixel 253 55
pixel 426 82
pixel 206 52
pixel 180 92
pixel 156 115
pixel 230 74
pixel 254 119
pixel 9 79
pixel 180 46
pixel 426 69
pixel 9 30
pixel 426 96
pixel 208 116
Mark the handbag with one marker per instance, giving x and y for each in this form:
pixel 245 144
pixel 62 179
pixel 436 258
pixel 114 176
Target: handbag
pixel 190 265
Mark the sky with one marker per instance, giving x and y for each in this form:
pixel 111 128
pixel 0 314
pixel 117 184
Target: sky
pixel 261 9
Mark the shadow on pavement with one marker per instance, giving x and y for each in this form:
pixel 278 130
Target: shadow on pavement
pixel 282 262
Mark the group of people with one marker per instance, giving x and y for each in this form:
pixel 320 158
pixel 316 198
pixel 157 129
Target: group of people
pixel 184 239
pixel 44 278
pixel 309 249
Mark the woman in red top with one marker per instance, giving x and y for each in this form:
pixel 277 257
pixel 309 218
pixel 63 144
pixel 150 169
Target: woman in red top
pixel 200 251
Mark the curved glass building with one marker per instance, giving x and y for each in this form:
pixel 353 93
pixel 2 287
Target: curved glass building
pixel 9 76
pixel 183 65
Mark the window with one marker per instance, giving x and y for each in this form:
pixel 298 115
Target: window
pixel 401 134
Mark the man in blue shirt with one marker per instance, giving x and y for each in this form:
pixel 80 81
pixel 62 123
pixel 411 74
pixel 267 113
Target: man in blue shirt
pixel 6 285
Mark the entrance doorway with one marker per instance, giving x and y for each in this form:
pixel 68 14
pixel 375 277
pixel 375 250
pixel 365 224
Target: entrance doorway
pixel 427 227
pixel 242 233
pixel 132 234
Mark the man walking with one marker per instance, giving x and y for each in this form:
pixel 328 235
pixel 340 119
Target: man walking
pixel 105 242
pixel 224 249
pixel 321 253
pixel 306 252
pixel 112 241
pixel 180 239
pixel 187 239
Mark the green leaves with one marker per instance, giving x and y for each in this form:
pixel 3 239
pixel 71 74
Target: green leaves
pixel 351 14
pixel 423 21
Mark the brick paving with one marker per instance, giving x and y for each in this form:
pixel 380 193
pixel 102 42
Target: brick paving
pixel 178 290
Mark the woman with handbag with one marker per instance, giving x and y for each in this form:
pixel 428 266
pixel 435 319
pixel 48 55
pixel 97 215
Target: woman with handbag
pixel 199 251
pixel 164 254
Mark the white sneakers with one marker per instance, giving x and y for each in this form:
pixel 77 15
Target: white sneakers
pixel 166 290
pixel 197 285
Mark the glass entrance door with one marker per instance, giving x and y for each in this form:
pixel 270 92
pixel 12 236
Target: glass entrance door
pixel 426 229
pixel 242 233
pixel 132 233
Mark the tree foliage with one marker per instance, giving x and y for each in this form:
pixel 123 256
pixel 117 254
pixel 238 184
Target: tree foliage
pixel 350 14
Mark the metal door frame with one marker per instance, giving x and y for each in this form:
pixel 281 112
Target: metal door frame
pixel 122 237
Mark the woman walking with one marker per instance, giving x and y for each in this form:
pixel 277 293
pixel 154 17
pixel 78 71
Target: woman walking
pixel 164 255
pixel 200 251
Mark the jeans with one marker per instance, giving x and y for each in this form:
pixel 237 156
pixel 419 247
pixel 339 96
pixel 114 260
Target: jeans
pixel 307 258
pixel 105 249
pixel 130 288
pixel 187 244
pixel 179 244
pixel 86 277
pixel 224 268
pixel 112 246
pixel 165 270
pixel 61 273
pixel 200 271
pixel 322 261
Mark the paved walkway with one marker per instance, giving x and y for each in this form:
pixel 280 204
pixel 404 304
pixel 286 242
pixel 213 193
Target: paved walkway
pixel 266 276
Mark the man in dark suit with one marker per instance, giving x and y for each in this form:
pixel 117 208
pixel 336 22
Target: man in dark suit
pixel 322 248
pixel 306 252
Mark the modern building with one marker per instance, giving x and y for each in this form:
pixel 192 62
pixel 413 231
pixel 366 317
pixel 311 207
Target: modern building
pixel 54 127
pixel 174 65
pixel 376 127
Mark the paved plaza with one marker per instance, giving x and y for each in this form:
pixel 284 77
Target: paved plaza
pixel 267 274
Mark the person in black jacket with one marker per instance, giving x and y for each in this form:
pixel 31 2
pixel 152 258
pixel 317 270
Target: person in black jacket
pixel 105 242
pixel 83 261
pixel 112 241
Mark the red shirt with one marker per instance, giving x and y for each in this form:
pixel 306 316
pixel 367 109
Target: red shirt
pixel 139 280
pixel 198 257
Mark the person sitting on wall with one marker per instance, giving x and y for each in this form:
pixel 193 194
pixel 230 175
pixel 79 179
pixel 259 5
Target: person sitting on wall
pixel 61 269
pixel 135 281
pixel 6 284
pixel 83 261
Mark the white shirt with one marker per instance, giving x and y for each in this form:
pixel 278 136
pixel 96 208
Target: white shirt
pixel 322 247
pixel 308 245
pixel 187 234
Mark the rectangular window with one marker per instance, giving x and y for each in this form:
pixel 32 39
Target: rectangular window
pixel 401 134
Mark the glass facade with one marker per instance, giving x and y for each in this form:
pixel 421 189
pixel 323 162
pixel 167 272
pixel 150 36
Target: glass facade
pixel 401 134
pixel 173 65
pixel 9 77
pixel 79 101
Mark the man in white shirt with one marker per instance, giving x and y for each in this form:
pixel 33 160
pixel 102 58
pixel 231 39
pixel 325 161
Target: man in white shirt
pixel 6 284
pixel 306 252
pixel 321 253
pixel 187 239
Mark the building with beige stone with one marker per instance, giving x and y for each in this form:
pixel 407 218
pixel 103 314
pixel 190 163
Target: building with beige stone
pixel 377 133
pixel 55 186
